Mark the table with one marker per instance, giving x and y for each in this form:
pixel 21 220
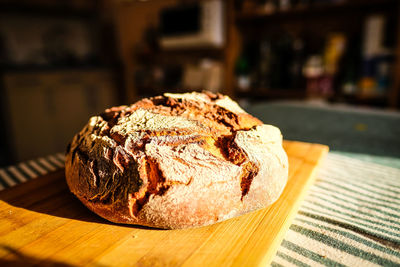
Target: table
pixel 350 217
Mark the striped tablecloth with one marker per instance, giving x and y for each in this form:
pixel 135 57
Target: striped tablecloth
pixel 350 217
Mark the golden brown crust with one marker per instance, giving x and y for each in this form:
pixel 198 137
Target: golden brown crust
pixel 176 161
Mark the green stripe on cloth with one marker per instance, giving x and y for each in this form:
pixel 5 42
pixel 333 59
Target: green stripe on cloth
pixel 377 237
pixel 386 161
pixel 334 243
pixel 336 214
pixel 356 238
pixel 309 254
pixel 358 211
pixel 322 206
pixel 359 193
pixel 291 260
pixel 360 185
pixel 378 185
pixel 372 191
pixel 328 191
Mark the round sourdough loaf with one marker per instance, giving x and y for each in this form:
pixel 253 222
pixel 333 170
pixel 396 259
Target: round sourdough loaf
pixel 176 161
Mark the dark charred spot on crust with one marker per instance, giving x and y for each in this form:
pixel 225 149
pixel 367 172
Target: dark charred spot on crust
pixel 82 154
pixel 73 154
pixel 228 118
pixel 118 138
pixel 237 156
pixel 110 183
pixel 68 148
pixel 159 100
pixel 230 150
pixel 134 147
pixel 155 185
pixel 250 170
pixel 213 96
pixel 112 115
pixel 77 149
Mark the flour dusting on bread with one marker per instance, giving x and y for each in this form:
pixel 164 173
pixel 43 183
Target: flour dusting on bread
pixel 176 161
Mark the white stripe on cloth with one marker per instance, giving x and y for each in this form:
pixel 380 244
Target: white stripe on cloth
pixel 61 156
pixel 360 205
pixel 386 173
pixel 388 189
pixel 331 181
pixel 334 190
pixel 46 164
pixel 373 182
pixel 342 170
pixel 17 174
pixel 55 161
pixel 27 169
pixel 37 167
pixel 6 178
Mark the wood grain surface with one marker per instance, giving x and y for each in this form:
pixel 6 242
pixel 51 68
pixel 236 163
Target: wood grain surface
pixel 43 224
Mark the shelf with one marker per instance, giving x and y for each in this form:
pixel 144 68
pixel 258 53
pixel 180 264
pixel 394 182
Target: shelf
pixel 49 68
pixel 308 11
pixel 47 11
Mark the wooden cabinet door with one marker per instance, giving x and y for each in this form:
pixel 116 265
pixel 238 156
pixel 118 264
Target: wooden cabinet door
pixel 45 110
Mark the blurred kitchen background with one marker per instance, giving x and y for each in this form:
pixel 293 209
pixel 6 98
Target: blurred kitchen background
pixel 62 61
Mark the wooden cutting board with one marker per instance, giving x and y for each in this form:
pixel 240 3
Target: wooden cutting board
pixel 42 223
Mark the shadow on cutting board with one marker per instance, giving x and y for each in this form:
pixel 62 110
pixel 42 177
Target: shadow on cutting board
pixel 16 258
pixel 50 195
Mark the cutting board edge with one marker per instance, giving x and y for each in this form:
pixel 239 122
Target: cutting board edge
pixel 271 252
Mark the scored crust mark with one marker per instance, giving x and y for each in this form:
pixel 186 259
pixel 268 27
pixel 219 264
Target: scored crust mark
pixel 208 113
pixel 68 149
pixel 94 171
pixel 250 170
pixel 154 184
pixel 238 156
pixel 217 119
pixel 231 151
pixel 121 158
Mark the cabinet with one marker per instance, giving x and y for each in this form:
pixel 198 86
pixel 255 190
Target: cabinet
pixel 314 22
pixel 46 109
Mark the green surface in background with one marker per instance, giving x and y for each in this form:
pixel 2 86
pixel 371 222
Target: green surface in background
pixel 366 135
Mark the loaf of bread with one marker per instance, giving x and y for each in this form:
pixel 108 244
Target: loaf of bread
pixel 176 161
